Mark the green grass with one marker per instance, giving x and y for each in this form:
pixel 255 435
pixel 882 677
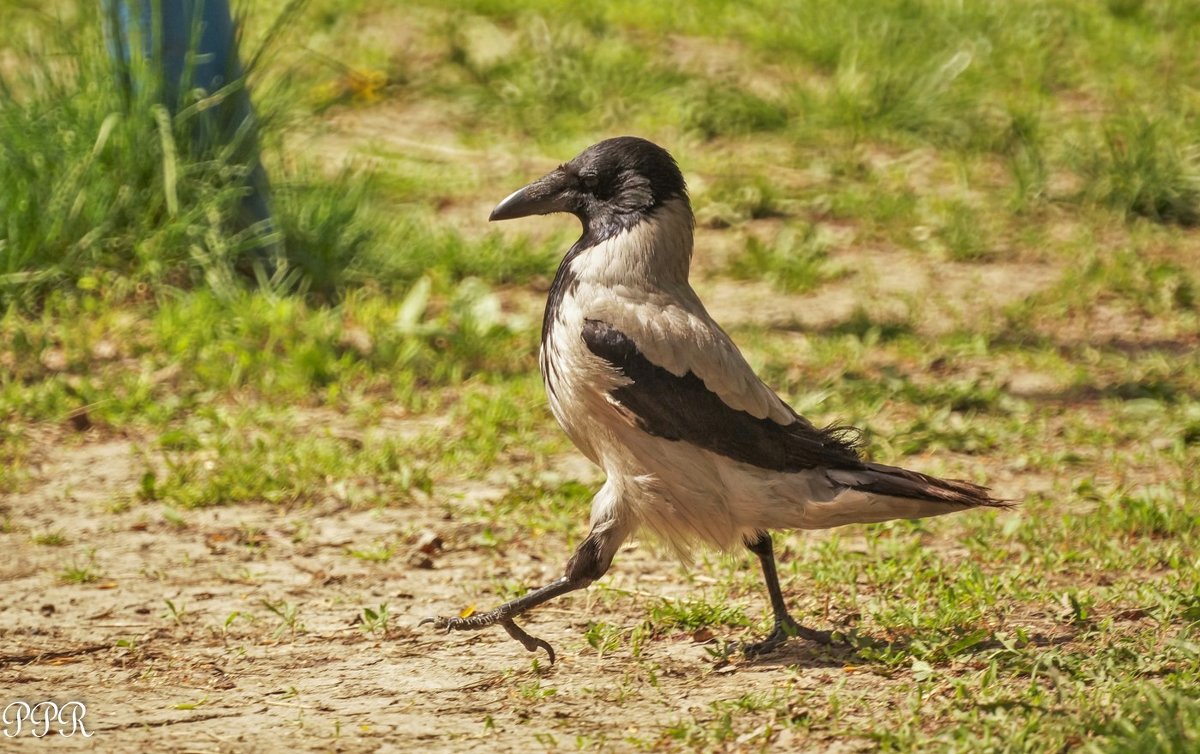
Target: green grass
pixel 1145 165
pixel 691 615
pixel 80 573
pixel 794 262
pixel 731 202
pixel 391 362
pixel 50 538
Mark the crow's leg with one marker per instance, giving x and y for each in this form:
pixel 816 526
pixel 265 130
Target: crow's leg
pixel 785 625
pixel 591 560
pixel 504 614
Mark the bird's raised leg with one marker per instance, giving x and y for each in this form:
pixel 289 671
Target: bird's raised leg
pixel 590 561
pixel 785 625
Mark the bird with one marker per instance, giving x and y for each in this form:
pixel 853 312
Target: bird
pixel 696 448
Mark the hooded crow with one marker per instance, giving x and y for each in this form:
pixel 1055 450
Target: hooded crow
pixel 696 448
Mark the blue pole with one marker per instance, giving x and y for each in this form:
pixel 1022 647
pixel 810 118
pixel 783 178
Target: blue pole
pixel 193 44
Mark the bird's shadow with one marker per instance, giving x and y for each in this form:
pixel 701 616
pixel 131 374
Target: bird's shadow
pixel 854 648
pixel 801 653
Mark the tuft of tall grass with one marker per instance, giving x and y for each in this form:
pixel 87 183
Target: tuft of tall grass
pixel 1154 719
pixel 962 230
pixel 571 77
pixel 795 262
pixel 711 110
pixel 561 79
pixel 731 201
pixel 109 192
pixel 1153 287
pixel 1144 166
pixel 101 188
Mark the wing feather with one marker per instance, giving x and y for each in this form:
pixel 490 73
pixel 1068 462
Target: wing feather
pixel 683 407
pixel 678 335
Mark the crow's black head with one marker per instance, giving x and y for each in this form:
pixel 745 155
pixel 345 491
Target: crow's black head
pixel 610 187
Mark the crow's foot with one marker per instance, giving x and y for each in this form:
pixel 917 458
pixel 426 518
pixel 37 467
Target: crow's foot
pixel 484 620
pixel 784 630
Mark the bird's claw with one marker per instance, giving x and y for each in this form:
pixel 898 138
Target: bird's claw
pixel 784 630
pixel 483 620
pixel 531 643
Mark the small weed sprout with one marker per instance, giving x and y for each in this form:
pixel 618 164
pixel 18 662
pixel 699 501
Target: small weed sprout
pixel 288 615
pixel 375 620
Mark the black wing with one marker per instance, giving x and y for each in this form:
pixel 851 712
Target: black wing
pixel 684 409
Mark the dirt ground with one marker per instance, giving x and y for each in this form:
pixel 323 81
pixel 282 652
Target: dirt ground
pixel 189 683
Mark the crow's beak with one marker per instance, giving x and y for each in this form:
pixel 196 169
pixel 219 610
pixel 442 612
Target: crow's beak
pixel 541 197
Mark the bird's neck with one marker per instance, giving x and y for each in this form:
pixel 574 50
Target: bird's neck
pixel 650 258
pixel 652 254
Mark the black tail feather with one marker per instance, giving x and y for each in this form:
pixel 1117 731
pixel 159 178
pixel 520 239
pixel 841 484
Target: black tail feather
pixel 894 481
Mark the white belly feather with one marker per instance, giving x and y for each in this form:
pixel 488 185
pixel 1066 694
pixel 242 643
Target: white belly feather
pixel 681 493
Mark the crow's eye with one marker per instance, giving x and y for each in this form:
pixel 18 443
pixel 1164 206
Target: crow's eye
pixel 589 181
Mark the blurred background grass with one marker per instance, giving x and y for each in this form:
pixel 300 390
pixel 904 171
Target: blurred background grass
pixel 966 226
pixel 973 132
